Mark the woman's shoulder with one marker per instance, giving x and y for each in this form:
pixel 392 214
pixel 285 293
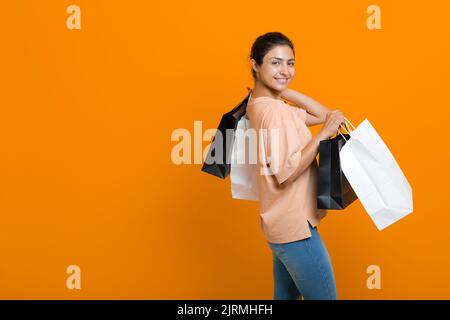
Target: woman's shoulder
pixel 265 112
pixel 266 104
pixel 261 107
pixel 265 100
pixel 263 104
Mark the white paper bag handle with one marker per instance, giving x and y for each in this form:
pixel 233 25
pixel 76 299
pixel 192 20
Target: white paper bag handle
pixel 346 128
pixel 346 120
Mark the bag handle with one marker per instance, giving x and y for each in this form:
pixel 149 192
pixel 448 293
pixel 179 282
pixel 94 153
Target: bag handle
pixel 249 92
pixel 342 134
pixel 346 120
pixel 346 128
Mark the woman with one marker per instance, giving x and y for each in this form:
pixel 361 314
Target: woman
pixel 288 208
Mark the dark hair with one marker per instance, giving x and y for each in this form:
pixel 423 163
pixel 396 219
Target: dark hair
pixel 265 43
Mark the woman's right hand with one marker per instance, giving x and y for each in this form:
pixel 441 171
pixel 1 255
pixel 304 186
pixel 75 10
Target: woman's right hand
pixel 333 121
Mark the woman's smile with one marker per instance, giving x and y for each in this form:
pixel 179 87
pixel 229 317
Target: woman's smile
pixel 282 80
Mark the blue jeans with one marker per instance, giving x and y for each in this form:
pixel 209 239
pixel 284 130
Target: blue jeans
pixel 303 268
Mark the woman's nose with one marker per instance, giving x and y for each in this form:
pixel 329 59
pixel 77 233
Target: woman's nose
pixel 284 70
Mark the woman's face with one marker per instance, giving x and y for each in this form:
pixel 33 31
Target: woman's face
pixel 277 69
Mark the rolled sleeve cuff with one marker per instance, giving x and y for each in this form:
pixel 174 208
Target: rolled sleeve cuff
pixel 289 167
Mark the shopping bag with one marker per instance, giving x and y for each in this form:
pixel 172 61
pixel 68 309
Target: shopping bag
pixel 333 188
pixel 218 158
pixel 244 163
pixel 375 176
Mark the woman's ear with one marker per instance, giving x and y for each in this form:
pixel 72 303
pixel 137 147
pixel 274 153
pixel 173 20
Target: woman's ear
pixel 253 65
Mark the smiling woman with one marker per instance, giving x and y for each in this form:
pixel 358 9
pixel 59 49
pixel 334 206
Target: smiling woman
pixel 288 207
pixel 276 69
pixel 277 73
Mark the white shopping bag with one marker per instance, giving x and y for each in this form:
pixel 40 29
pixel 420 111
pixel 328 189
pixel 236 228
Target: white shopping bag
pixel 375 176
pixel 243 163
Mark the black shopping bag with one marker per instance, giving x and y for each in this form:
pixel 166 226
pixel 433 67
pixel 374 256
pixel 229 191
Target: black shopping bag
pixel 218 159
pixel 333 189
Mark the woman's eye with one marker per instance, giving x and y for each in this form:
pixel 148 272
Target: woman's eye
pixel 277 62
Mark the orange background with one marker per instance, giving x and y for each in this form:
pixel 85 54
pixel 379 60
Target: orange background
pixel 85 126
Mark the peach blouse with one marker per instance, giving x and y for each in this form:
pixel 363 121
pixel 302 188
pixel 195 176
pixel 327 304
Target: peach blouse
pixel 285 209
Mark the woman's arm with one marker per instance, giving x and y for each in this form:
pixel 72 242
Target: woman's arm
pixel 333 121
pixel 315 111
